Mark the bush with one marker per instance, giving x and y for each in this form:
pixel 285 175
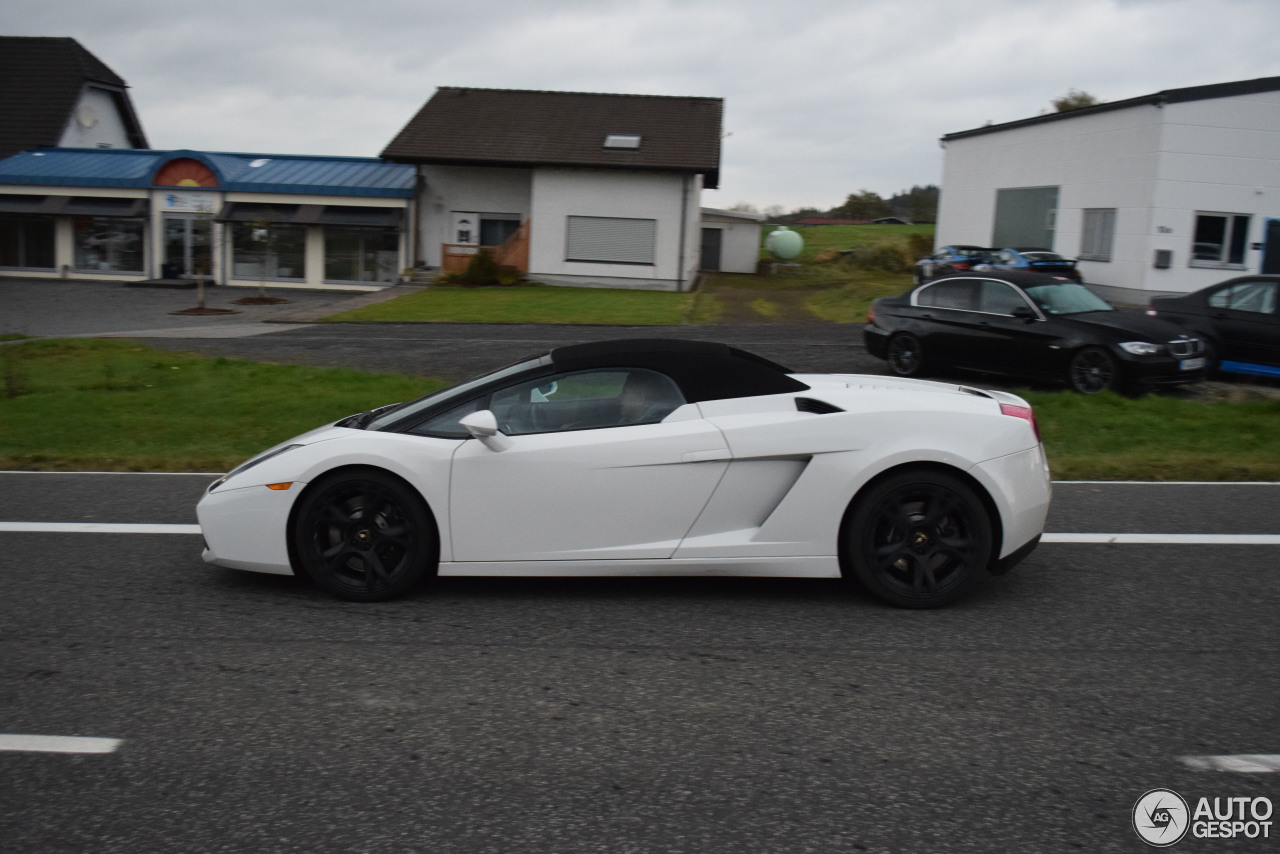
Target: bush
pixel 482 270
pixel 888 257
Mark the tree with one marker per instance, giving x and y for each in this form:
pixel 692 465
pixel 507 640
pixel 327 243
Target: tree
pixel 1074 100
pixel 919 204
pixel 864 205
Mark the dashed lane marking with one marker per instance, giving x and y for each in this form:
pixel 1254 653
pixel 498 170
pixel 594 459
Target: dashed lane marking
pixel 94 528
pixel 58 744
pixel 1242 763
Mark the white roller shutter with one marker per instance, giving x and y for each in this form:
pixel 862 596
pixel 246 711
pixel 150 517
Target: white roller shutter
pixel 611 240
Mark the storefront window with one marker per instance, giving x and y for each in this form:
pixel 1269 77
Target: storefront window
pixel 361 254
pixel 26 242
pixel 268 251
pixel 109 244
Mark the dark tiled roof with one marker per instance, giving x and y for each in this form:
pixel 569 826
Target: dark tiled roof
pixel 40 83
pixel 506 127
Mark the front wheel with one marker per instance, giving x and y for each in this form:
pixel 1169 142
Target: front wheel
pixel 918 539
pixel 365 536
pixel 1092 370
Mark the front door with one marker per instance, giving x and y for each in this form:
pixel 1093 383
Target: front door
pixel 187 246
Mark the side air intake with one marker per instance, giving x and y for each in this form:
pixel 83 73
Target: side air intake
pixel 816 407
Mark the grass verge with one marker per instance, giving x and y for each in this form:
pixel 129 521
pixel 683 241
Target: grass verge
pixel 529 304
pixel 108 405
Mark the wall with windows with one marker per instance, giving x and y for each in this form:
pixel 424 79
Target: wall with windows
pixel 610 228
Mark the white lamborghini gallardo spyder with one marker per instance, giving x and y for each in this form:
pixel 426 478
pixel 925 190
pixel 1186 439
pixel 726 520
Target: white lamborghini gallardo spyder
pixel 648 457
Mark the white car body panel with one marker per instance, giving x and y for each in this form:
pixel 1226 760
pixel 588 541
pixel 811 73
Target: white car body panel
pixel 740 486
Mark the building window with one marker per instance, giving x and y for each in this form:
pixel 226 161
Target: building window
pixel 26 242
pixel 361 254
pixel 268 251
pixel 1097 234
pixel 109 244
pixel 610 240
pixel 1220 240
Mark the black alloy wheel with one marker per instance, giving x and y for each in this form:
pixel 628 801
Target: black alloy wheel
pixel 365 536
pixel 906 356
pixel 918 539
pixel 1092 370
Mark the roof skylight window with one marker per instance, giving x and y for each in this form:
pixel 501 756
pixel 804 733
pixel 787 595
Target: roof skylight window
pixel 261 161
pixel 622 140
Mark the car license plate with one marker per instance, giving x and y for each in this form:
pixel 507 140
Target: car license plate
pixel 1191 364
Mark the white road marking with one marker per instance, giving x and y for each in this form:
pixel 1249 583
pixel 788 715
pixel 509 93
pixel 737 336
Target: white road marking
pixel 1243 763
pixel 94 528
pixel 1167 539
pixel 58 744
pixel 1096 539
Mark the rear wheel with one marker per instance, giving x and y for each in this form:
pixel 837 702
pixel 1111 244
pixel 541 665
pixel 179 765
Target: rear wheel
pixel 918 539
pixel 1092 370
pixel 906 356
pixel 365 536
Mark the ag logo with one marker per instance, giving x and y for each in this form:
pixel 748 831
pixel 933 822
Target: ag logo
pixel 1161 818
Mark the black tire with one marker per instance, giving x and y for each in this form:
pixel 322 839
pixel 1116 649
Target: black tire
pixel 905 355
pixel 1092 370
pixel 365 536
pixel 918 539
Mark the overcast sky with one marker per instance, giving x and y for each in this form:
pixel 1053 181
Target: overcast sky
pixel 822 97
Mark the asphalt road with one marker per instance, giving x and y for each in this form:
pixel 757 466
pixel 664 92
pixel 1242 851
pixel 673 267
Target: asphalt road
pixel 258 715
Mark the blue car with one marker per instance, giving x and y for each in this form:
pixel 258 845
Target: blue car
pixel 946 260
pixel 1032 260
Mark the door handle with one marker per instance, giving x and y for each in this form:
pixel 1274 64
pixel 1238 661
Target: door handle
pixel 711 456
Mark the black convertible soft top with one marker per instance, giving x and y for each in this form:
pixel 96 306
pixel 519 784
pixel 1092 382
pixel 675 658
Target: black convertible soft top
pixel 703 370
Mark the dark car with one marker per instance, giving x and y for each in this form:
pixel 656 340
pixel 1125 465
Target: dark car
pixel 1033 260
pixel 1239 321
pixel 947 260
pixel 1029 325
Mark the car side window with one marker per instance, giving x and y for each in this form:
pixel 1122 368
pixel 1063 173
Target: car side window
pixel 1258 297
pixel 999 298
pixel 958 294
pixel 586 400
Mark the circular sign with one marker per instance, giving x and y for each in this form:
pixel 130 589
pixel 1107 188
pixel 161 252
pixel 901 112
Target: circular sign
pixel 1161 818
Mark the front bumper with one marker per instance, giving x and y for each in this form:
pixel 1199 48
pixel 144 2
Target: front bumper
pixel 248 528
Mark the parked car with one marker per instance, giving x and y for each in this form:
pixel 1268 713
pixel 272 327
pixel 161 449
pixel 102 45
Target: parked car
pixel 951 259
pixel 1034 261
pixel 642 458
pixel 1239 320
pixel 1029 325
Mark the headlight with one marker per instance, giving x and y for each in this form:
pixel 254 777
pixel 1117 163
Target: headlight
pixel 246 466
pixel 1140 348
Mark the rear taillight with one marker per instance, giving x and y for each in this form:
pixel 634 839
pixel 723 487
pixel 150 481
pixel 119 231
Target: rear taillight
pixel 1151 311
pixel 1022 412
pixel 961 265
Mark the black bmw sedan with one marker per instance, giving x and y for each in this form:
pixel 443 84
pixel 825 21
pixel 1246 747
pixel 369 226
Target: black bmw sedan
pixel 1029 325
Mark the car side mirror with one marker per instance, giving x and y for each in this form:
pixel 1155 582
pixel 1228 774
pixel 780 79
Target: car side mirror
pixel 483 425
pixel 1025 312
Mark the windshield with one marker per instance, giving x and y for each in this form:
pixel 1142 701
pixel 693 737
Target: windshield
pixel 455 391
pixel 1067 299
pixel 1043 256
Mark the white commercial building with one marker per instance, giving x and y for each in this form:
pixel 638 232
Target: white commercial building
pixel 1165 193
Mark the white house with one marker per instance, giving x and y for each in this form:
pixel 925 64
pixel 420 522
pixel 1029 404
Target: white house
pixel 730 241
pixel 1164 193
pixel 571 188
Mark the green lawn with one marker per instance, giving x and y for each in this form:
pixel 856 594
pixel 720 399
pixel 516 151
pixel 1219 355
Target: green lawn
pixel 118 406
pixel 816 288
